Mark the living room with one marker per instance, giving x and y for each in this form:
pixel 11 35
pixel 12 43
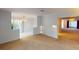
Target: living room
pixel 28 24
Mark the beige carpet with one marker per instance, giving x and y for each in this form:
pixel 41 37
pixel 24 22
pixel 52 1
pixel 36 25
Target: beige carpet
pixel 41 42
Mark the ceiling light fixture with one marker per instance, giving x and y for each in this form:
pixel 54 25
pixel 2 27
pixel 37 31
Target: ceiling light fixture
pixel 42 10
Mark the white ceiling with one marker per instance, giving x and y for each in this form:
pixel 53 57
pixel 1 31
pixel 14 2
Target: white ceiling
pixel 36 11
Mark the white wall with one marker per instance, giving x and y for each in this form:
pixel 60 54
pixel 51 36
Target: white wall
pixel 36 29
pixel 51 19
pixel 6 33
pixel 30 24
pixel 48 21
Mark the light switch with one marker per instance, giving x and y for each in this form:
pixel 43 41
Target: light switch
pixel 54 26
